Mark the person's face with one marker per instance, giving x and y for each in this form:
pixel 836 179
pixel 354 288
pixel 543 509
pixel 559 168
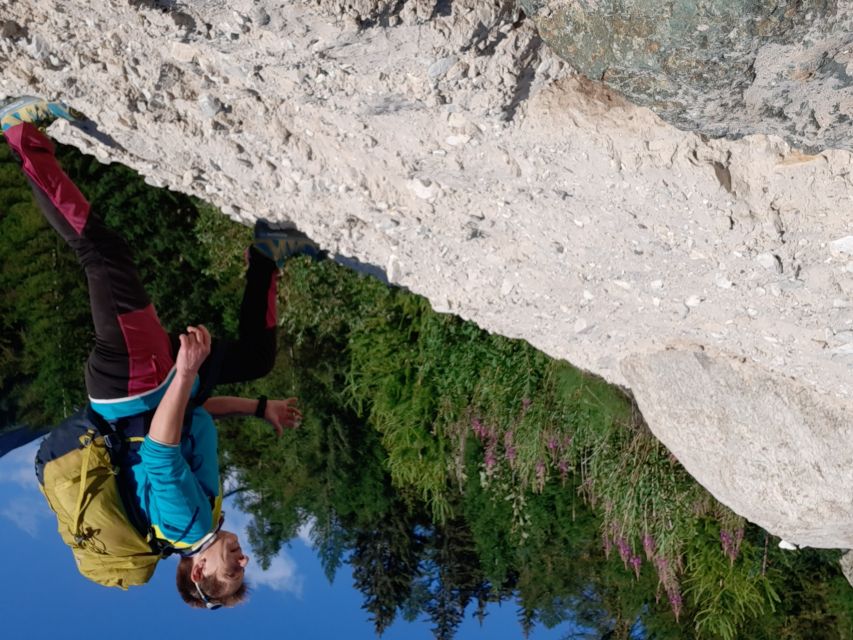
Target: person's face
pixel 225 560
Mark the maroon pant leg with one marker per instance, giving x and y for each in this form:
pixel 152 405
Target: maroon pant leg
pixel 132 352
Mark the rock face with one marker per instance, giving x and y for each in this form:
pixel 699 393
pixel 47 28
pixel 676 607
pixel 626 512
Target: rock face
pixel 692 391
pixel 445 143
pixel 719 67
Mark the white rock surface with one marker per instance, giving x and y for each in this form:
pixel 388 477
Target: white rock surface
pixel 509 192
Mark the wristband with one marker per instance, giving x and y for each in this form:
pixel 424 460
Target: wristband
pixel 262 407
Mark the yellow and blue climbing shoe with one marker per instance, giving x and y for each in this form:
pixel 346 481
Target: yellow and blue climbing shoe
pixel 36 111
pixel 279 243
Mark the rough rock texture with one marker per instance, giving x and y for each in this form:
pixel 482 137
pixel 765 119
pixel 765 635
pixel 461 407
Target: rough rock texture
pixel 795 475
pixel 719 67
pixel 445 143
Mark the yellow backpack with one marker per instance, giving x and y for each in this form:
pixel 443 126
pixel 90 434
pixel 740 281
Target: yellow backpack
pixel 79 476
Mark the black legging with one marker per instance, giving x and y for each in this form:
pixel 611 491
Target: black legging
pixel 133 353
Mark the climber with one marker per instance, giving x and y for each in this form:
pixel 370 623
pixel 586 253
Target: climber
pixel 137 374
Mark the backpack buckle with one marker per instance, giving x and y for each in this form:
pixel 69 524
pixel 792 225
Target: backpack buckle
pixel 111 441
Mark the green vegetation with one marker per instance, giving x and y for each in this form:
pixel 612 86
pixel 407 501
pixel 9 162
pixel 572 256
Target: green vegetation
pixel 451 468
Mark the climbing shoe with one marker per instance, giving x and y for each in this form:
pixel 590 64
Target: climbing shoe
pixel 279 242
pixel 36 111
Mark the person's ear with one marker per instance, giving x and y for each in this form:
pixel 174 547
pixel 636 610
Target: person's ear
pixel 197 572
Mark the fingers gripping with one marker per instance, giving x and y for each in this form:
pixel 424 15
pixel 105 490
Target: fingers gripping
pixel 194 349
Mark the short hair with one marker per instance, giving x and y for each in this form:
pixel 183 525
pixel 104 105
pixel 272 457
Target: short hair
pixel 212 586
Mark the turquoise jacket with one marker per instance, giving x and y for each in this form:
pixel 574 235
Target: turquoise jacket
pixel 177 486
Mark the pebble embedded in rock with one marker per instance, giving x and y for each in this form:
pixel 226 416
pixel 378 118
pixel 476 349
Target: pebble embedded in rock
pixel 457 120
pixel 209 105
pixel 183 52
pixel 842 246
pixel 423 188
pixel 769 262
pixel 441 66
pixel 457 140
pixel 38 47
pixel 582 326
pixel 722 281
pixel 845 350
pixel 260 17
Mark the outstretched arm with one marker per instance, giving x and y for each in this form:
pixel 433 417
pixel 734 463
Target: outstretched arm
pixel 280 414
pixel 168 420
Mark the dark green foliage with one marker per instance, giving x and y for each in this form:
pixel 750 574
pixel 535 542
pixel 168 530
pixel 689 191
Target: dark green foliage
pixel 384 562
pixel 815 596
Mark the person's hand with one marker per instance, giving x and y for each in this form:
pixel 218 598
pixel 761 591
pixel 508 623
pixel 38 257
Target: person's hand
pixel 194 349
pixel 283 414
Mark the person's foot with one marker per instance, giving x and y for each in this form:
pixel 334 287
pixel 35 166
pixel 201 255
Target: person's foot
pixel 278 242
pixel 36 111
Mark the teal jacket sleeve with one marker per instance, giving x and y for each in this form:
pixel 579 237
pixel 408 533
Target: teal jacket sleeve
pixel 178 507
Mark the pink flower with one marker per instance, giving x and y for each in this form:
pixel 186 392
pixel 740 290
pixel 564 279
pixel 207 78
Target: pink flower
pixel 624 550
pixel 635 562
pixel 731 543
pixel 490 460
pixel 552 444
pixel 510 453
pixel 525 403
pixel 540 475
pixel 649 546
pixel 675 600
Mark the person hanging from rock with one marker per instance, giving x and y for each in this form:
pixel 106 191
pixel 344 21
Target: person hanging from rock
pixel 150 386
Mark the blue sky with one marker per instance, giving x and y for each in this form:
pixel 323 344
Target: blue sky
pixel 43 596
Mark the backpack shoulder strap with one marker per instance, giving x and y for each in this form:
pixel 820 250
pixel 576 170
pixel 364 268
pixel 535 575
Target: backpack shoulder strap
pixel 123 437
pixel 86 441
